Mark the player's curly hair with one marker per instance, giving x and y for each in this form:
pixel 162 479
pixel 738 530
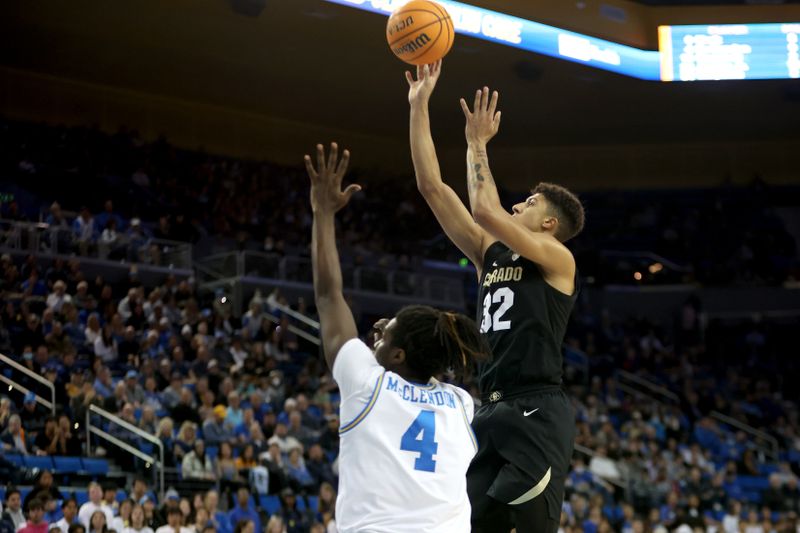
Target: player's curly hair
pixel 565 206
pixel 437 341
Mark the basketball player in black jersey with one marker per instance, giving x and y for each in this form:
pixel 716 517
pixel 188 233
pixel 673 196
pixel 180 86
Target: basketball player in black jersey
pixel 528 286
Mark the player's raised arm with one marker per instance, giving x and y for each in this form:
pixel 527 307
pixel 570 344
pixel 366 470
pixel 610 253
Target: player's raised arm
pixel 448 208
pixel 543 248
pixel 336 320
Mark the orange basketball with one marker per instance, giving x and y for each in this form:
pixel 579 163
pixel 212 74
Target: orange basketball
pixel 420 32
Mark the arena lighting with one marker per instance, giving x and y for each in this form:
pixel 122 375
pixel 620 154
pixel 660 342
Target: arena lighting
pixel 535 37
pixel 729 52
pixel 686 53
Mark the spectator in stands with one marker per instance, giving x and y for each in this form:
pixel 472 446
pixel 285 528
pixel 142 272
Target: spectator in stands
pixel 93 329
pixel 134 393
pixel 139 491
pixel 284 441
pixel 59 296
pixel 226 472
pixel 234 415
pixel 43 489
pixel 197 464
pixel 243 509
pixel 201 520
pixel 296 468
pixel 13 509
pixel 14 439
pixel 185 441
pixel 46 441
pixel 69 510
pixel 123 519
pixel 326 505
pixel 105 347
pixel 275 525
pixel 217 517
pixel 318 466
pixel 215 428
pixel 35 523
pixel 98 523
pixel 245 526
pixel 246 459
pixel 83 230
pixel 296 521
pixel 137 522
pixel 76 528
pixel 299 431
pixel 33 286
pixel 95 504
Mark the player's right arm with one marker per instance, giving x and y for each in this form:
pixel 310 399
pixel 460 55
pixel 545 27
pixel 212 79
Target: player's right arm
pixel 336 319
pixel 450 211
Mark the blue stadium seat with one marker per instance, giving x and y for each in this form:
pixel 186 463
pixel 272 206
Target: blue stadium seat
pixel 301 504
pixel 14 458
pixel 2 494
pixel 271 504
pixel 42 462
pixel 121 496
pixel 95 466
pixel 753 483
pixel 212 451
pixel 67 465
pixel 81 496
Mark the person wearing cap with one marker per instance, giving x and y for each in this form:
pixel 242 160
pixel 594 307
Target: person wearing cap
pixel 294 519
pixel 215 429
pixel 32 415
pixel 134 393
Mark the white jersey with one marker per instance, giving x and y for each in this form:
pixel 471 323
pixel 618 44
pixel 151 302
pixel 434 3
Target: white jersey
pixel 404 451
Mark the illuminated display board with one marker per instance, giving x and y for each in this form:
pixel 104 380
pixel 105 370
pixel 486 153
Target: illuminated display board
pixel 729 52
pixel 535 37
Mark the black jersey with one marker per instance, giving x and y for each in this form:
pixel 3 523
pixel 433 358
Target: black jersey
pixel 524 319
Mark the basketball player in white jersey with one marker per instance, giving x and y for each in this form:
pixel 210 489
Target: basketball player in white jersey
pixel 406 441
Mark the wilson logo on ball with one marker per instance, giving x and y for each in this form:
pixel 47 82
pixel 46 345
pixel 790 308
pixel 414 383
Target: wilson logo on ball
pixel 420 32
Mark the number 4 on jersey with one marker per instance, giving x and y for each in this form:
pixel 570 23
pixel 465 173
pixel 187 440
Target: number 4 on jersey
pixel 502 295
pixel 419 437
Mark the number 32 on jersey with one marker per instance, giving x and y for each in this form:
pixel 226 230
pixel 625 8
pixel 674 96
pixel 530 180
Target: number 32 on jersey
pixel 494 321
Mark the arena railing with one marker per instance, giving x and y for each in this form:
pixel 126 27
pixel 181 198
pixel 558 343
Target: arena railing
pixel 652 390
pixel 150 460
pixel 40 237
pixel 770 446
pixel 48 404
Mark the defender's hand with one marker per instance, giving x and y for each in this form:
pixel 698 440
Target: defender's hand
pixel 483 122
pixel 419 91
pixel 326 181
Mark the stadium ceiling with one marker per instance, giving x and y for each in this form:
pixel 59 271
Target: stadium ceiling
pixel 316 63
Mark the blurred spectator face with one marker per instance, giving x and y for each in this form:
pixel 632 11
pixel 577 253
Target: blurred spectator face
pixel 14 424
pixel 315 452
pixel 211 501
pixel 70 509
pixel 98 521
pixel 36 513
pixel 185 507
pixel 13 502
pixel 110 495
pixel 95 493
pixel 174 519
pixel 281 430
pixel 243 497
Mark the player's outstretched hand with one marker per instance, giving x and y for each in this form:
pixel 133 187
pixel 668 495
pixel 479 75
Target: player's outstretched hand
pixel 484 120
pixel 326 180
pixel 420 90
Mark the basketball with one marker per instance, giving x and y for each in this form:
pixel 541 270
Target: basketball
pixel 420 32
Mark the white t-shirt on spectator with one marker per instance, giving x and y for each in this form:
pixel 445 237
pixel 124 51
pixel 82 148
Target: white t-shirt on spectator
pixel 170 529
pixel 88 509
pixel 54 301
pixel 145 529
pixel 107 353
pixel 62 524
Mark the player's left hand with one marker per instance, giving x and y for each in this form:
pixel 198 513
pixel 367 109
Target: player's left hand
pixel 326 180
pixel 484 121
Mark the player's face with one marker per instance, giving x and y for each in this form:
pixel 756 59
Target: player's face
pixel 382 341
pixel 531 213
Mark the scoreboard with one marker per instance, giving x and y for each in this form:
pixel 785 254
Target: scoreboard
pixel 686 53
pixel 729 52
